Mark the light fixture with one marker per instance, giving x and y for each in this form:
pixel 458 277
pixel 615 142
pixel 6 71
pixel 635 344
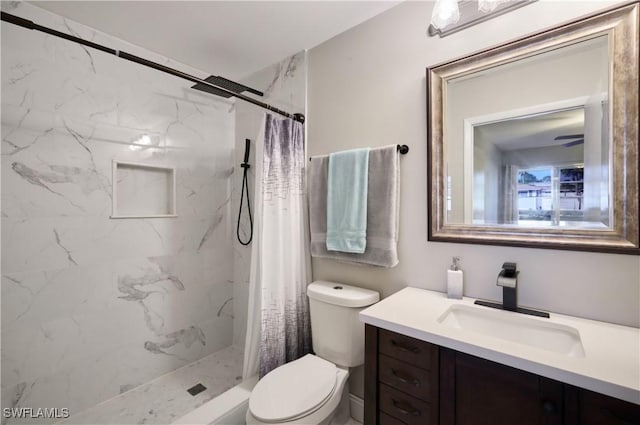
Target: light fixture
pixel 450 16
pixel 445 13
pixel 487 6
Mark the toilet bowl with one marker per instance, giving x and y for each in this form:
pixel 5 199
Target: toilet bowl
pixel 309 390
pixel 313 390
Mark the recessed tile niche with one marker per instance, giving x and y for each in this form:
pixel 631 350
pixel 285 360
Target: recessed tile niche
pixel 143 190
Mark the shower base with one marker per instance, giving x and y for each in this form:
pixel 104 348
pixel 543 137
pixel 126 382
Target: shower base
pixel 166 399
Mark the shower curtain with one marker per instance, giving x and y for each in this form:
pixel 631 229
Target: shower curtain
pixel 508 197
pixel 278 327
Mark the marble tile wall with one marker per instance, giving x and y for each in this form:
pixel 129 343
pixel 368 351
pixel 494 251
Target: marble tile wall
pixel 93 306
pixel 285 86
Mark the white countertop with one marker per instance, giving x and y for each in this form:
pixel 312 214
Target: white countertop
pixel 611 364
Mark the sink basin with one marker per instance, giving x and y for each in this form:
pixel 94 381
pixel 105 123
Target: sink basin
pixel 514 327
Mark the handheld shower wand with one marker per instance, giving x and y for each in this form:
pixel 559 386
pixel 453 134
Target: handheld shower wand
pixel 245 188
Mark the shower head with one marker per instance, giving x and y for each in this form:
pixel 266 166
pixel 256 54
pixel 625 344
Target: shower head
pixel 225 84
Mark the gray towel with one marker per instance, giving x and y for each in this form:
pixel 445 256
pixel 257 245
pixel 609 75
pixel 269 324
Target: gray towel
pixel 382 209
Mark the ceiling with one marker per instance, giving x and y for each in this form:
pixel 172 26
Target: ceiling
pixel 228 38
pixel 533 131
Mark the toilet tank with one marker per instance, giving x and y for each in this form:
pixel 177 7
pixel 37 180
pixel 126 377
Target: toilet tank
pixel 337 333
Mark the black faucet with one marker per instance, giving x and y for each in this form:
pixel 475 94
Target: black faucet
pixel 508 279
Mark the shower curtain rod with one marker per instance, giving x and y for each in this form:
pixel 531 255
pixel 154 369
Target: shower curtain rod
pixel 25 23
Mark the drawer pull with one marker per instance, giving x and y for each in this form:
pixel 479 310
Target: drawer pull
pixel 613 415
pixel 405 379
pixel 403 347
pixel 405 408
pixel 549 408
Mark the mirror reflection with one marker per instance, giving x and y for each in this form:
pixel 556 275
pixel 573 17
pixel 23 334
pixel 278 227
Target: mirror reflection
pixel 528 141
pixel 540 170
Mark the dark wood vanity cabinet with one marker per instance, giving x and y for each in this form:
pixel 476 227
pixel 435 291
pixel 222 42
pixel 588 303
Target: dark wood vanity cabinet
pixel 597 409
pixel 476 391
pixel 401 379
pixel 408 381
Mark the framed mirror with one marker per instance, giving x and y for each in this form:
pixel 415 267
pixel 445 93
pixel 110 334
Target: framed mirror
pixel 535 142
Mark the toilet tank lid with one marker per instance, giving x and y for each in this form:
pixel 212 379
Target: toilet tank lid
pixel 342 295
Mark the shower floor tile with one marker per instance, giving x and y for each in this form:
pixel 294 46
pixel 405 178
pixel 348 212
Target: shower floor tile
pixel 165 399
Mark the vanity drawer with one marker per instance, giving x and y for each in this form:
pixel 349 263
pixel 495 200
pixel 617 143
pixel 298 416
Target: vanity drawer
pixel 389 420
pixel 402 406
pixel 413 351
pixel 404 377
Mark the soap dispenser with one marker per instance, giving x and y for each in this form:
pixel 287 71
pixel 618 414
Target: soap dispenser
pixel 454 280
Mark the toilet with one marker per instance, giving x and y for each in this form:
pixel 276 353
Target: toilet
pixel 313 390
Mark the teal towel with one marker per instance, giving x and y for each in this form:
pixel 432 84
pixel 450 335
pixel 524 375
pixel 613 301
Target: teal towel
pixel 347 188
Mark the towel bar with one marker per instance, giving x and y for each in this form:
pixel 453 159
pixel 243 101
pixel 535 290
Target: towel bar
pixel 403 149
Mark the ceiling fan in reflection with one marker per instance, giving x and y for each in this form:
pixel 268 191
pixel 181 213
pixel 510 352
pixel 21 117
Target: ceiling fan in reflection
pixel 576 139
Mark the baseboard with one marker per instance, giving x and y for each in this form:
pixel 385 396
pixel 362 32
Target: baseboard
pixel 356 404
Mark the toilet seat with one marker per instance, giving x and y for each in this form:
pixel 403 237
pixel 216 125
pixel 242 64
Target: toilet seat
pixel 293 390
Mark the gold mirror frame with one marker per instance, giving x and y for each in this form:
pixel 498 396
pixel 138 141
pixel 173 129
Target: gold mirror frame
pixel 621 26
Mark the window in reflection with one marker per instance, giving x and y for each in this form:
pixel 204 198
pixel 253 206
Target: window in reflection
pixel 551 194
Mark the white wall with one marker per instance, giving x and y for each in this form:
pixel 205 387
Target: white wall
pixel 367 88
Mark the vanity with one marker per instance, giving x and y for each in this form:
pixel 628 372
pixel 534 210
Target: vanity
pixel 434 360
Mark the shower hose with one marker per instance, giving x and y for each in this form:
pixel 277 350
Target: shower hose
pixel 245 188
